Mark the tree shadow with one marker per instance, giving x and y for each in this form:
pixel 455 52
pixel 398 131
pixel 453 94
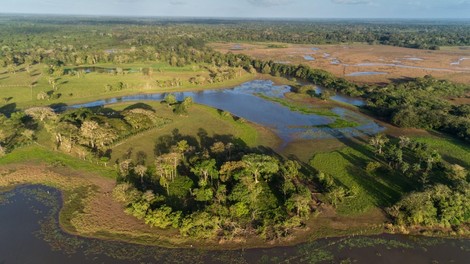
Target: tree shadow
pixel 105 111
pixel 399 80
pixel 59 107
pixel 7 99
pixel 384 186
pixel 309 172
pixel 140 106
pixel 8 109
pixel 201 142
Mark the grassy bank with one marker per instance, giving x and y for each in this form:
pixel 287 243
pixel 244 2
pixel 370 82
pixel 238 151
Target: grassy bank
pixel 201 121
pixel 20 89
pixel 452 150
pixel 297 107
pixel 381 188
pixel 36 154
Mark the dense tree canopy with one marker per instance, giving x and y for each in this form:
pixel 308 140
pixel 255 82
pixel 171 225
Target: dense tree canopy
pixel 217 192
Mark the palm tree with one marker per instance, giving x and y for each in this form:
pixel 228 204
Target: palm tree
pixel 378 142
pixel 260 165
pixel 140 170
pixel 206 169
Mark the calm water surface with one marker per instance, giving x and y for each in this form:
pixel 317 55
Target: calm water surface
pixel 243 101
pixel 30 233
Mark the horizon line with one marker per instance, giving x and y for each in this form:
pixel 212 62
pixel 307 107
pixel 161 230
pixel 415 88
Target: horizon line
pixel 235 17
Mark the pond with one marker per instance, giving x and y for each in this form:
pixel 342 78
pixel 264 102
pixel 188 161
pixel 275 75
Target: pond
pixel 31 234
pixel 309 58
pixel 413 59
pixel 366 73
pixel 459 61
pixel 244 101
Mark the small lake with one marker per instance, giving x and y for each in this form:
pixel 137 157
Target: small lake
pixel 413 59
pixel 366 73
pixel 459 61
pixel 31 234
pixel 243 101
pixel 309 58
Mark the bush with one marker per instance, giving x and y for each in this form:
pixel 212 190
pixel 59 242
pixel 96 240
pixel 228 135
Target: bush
pixel 372 166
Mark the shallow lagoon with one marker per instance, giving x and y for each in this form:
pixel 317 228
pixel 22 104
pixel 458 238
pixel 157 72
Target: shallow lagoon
pixel 242 101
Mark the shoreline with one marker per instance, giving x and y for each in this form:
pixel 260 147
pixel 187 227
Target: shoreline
pixel 158 239
pixel 224 85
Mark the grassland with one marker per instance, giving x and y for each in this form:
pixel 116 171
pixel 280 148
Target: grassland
pixel 90 211
pixel 368 190
pixel 201 120
pixel 20 89
pixel 297 107
pixel 36 154
pixel 452 150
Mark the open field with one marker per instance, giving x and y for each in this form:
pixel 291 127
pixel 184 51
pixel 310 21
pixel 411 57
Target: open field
pixel 370 190
pixel 201 120
pixel 452 150
pixel 22 88
pixel 452 63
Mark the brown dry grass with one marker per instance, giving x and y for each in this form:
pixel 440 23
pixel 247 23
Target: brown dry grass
pixel 353 54
pixel 103 217
pixel 101 213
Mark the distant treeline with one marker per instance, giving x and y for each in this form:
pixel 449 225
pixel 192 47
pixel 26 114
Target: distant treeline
pixel 412 103
pixel 420 34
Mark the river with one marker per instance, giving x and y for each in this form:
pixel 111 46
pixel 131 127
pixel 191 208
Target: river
pixel 30 233
pixel 243 101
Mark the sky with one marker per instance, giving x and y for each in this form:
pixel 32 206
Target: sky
pixel 247 8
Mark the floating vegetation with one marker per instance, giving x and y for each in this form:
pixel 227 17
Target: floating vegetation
pixel 366 242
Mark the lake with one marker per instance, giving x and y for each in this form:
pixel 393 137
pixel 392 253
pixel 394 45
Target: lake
pixel 31 234
pixel 243 101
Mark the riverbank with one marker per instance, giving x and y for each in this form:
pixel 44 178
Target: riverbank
pixel 92 86
pixel 37 208
pixel 89 210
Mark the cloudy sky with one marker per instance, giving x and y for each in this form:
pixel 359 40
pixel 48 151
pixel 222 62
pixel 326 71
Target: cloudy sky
pixel 248 8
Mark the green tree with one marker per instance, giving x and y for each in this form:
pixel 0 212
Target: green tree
pixel 260 166
pixel 170 99
pixel 378 142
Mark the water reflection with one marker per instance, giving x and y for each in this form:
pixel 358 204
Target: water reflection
pixel 243 101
